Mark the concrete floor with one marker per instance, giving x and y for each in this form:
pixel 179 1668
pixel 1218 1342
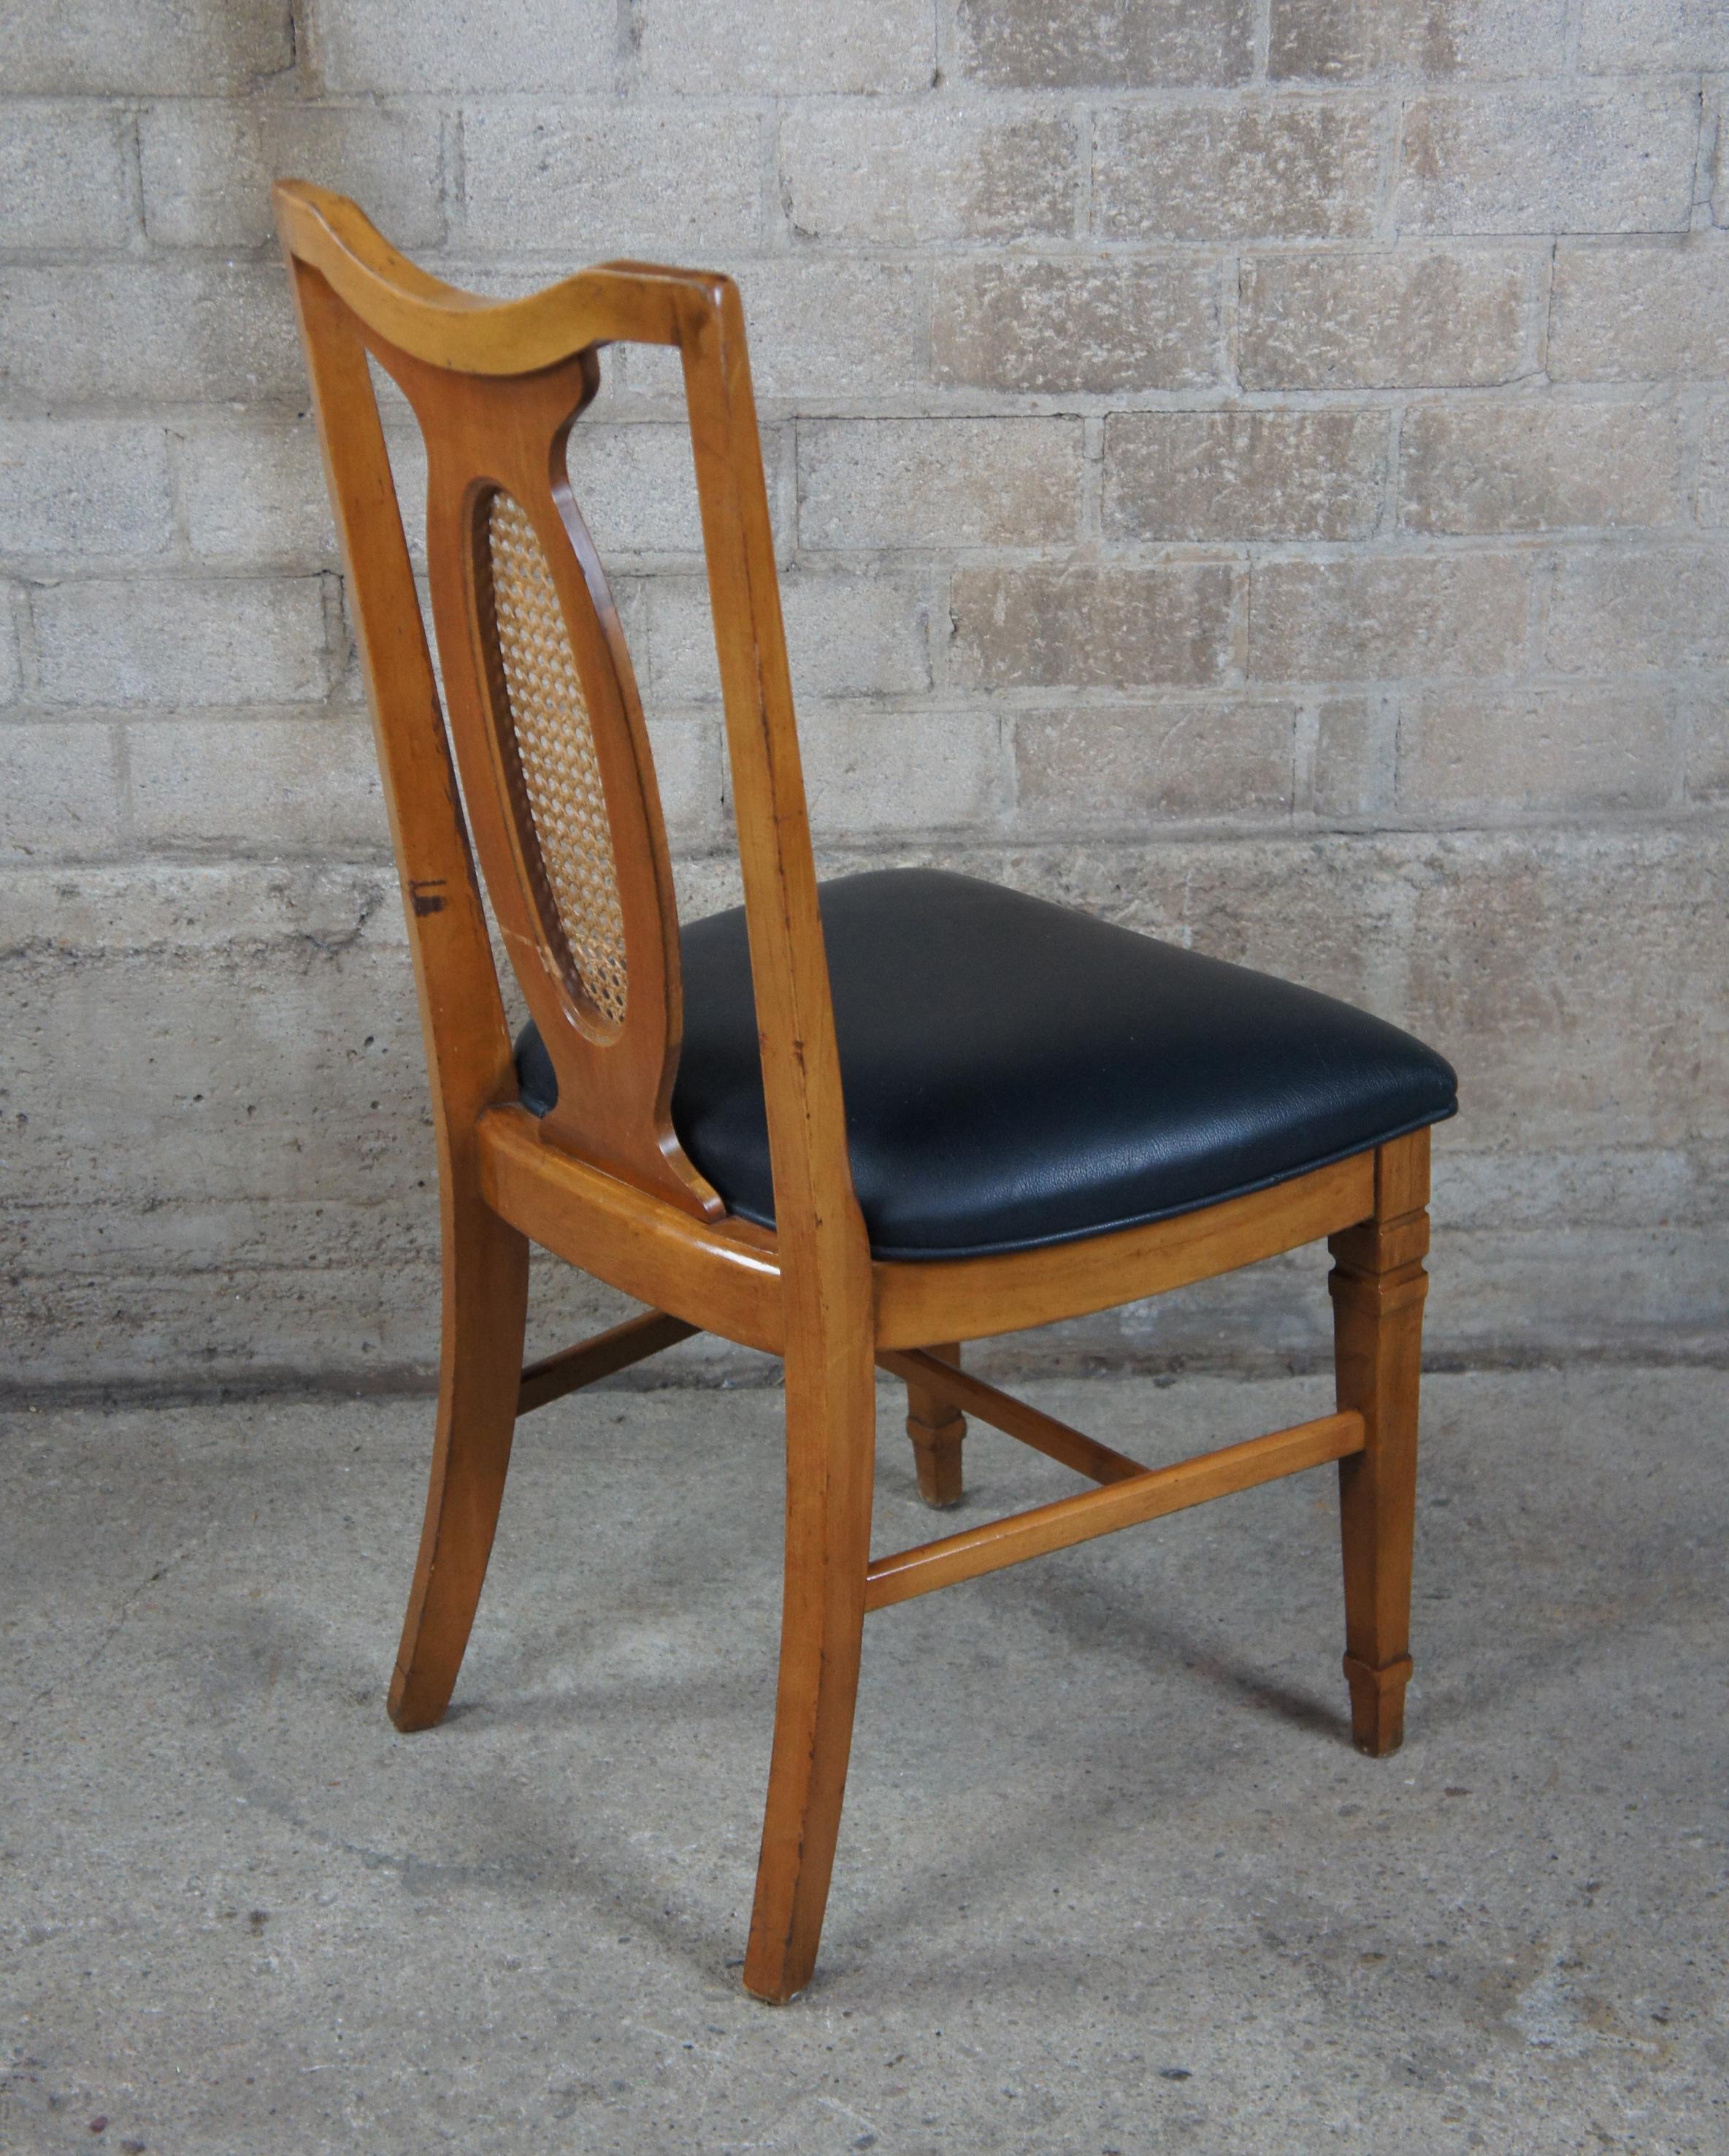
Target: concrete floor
pixel 1111 1878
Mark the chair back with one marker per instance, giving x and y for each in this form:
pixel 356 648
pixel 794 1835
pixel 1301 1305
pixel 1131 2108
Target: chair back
pixel 555 771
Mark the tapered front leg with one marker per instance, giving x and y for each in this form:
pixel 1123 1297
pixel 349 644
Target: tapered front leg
pixel 937 1427
pixel 831 1430
pixel 481 1369
pixel 1378 1286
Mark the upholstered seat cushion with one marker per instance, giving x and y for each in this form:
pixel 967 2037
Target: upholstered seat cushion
pixel 1018 1074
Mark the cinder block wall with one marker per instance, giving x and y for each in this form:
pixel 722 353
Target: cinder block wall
pixel 1259 469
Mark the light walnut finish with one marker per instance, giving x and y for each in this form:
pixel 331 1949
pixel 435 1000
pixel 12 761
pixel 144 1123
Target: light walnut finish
pixel 1055 1439
pixel 971 1298
pixel 468 1045
pixel 542 753
pixel 1378 1286
pixel 723 1276
pixel 1120 1504
pixel 937 1430
pixel 590 1360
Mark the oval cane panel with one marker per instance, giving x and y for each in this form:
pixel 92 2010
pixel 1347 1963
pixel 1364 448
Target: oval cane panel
pixel 562 793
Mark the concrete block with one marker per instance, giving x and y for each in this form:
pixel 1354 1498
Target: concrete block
pixel 1464 752
pixel 182 640
pixel 636 486
pixel 1624 1295
pixel 93 488
pixel 587 183
pixel 1631 1187
pixel 361 1279
pixel 848 634
pixel 784 48
pixel 1632 37
pixel 1331 914
pixel 830 328
pixel 1576 978
pixel 1264 904
pixel 406 450
pixel 1719 180
pixel 993 482
pixel 202 912
pixel 347 679
pixel 270 786
pixel 244 1327
pixel 1257 168
pixel 708 883
pixel 1714 467
pixel 272 1046
pixel 210 1293
pixel 59 791
pixel 900 174
pixel 118 1247
pixel 254 493
pixel 65 174
pixel 1358 617
pixel 1641 313
pixel 1119 771
pixel 1634 609
pixel 208 163
pixel 12 604
pixel 148 332
pixel 880 774
pixel 1704 719
pixel 1103 327
pixel 1356 739
pixel 557 46
pixel 1349 40
pixel 141 47
pixel 175 678
pixel 689 765
pixel 1243 476
pixel 1538 466
pixel 1086 627
pixel 1720 175
pixel 1057 45
pixel 1423 317
pixel 1544 160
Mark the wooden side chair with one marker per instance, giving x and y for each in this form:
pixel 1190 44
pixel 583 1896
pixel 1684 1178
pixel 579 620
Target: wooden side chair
pixel 853 1124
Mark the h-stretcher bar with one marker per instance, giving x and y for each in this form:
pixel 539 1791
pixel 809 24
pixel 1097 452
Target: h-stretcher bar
pixel 1130 1492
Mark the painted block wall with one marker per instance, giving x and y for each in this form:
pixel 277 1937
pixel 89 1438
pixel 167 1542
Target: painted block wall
pixel 1257 469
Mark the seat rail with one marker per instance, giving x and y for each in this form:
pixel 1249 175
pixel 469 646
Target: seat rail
pixel 722 1277
pixel 926 1299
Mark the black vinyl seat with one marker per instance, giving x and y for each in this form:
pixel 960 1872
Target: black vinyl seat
pixel 1018 1074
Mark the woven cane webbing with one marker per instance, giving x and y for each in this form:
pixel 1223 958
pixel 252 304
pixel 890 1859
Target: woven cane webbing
pixel 555 751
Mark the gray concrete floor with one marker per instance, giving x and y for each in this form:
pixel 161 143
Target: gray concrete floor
pixel 1111 1878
